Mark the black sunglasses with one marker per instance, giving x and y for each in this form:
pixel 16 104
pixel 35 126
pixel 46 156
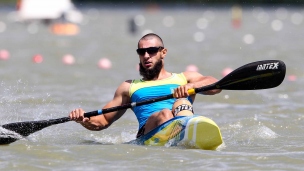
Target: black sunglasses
pixel 150 50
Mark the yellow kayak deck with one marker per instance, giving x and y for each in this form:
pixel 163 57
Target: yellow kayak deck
pixel 191 131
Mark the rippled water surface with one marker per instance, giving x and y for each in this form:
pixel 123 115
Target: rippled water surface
pixel 262 129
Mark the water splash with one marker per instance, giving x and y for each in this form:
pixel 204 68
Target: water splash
pixel 17 102
pixel 249 132
pixel 124 137
pixel 262 132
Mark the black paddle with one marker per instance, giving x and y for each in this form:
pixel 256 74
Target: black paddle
pixel 253 76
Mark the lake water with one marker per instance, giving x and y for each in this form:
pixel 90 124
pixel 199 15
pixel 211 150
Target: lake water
pixel 262 129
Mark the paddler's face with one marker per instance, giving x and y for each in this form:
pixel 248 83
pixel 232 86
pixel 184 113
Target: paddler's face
pixel 148 59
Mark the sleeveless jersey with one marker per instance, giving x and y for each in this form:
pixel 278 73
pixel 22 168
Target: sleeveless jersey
pixel 141 90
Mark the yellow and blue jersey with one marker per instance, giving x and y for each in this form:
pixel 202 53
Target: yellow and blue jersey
pixel 141 90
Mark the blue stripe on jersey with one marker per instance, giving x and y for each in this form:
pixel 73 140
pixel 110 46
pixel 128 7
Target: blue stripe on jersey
pixel 145 111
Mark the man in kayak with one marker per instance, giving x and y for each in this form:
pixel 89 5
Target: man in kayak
pixel 155 82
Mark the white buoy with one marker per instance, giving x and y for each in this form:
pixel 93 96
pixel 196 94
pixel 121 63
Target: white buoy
pixel 277 25
pixel 199 36
pixel 248 39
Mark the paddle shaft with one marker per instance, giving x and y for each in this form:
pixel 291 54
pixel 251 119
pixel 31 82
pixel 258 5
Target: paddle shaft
pixel 130 105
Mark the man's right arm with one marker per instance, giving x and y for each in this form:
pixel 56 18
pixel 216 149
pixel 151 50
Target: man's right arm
pixel 103 121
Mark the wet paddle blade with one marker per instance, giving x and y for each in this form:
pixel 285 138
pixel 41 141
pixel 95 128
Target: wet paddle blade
pixel 7 136
pixel 27 128
pixel 257 75
pixel 7 140
pixel 253 76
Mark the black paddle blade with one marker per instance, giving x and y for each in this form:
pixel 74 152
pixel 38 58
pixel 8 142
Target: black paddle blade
pixel 7 137
pixel 253 76
pixel 27 128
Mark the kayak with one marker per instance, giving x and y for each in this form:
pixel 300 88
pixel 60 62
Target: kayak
pixel 189 131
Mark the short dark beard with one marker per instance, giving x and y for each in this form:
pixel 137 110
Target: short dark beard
pixel 150 74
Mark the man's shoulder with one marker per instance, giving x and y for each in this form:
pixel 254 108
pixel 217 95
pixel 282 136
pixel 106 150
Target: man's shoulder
pixel 192 75
pixel 125 85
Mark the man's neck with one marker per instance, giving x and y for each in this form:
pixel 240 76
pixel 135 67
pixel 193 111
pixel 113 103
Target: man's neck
pixel 162 75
